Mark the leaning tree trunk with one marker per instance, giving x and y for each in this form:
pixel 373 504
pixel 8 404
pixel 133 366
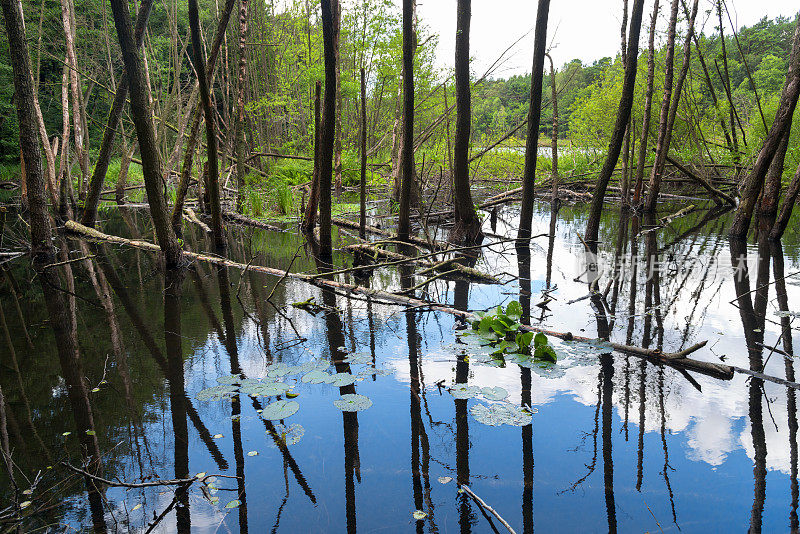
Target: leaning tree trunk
pixel 662 147
pixel 407 150
pixel 363 200
pixel 623 118
pixel 534 115
pixel 467 228
pixel 770 197
pixel 786 210
pixel 240 111
pixel 648 106
pixel 328 129
pixel 142 119
pixel 211 129
pixel 783 117
pixel 112 123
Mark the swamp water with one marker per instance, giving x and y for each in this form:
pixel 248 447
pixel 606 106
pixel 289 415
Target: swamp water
pixel 615 442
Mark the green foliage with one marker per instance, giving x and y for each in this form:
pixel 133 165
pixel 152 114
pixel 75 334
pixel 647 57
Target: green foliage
pixel 501 330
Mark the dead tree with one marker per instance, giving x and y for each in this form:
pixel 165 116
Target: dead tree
pixel 312 206
pixel 240 110
pixel 407 150
pixel 554 137
pixel 142 119
pixel 328 129
pixel 534 115
pixel 623 118
pixel 786 210
pixel 112 123
pixel 648 106
pixel 751 188
pixel 363 191
pixel 467 227
pixel 211 129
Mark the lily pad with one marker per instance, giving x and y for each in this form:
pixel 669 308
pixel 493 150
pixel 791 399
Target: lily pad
pixel 342 379
pixel 287 435
pixel 280 410
pixel 229 379
pixel 266 389
pixel 500 414
pixel 463 391
pixel 216 393
pixel 494 394
pixel 358 358
pixel 315 377
pixel 353 402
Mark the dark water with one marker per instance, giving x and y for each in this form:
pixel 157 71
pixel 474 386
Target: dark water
pixel 616 443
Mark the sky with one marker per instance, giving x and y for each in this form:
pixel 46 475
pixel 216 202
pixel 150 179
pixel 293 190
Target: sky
pixel 583 29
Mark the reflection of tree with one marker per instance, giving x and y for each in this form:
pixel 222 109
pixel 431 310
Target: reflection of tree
pixel 527 456
pixel 753 319
pixel 465 517
pixel 791 394
pixel 173 280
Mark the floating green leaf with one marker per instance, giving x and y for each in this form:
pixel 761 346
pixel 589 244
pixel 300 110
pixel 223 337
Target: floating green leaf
pixel 287 435
pixel 445 480
pixel 501 413
pixel 217 436
pixel 353 402
pixel 280 409
pixel 358 358
pixel 342 379
pixel 545 353
pixel 136 507
pixel 266 389
pixel 24 504
pixel 234 504
pixel 419 515
pixel 252 453
pixel 315 377
pixel 229 379
pixel 91 433
pixel 495 393
pixel 514 310
pixel 215 393
pixel 463 391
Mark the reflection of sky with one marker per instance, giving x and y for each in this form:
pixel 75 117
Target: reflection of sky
pixel 707 435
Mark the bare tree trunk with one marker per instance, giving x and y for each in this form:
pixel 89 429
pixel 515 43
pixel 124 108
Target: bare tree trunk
pixel 112 123
pixel 310 215
pixel 621 124
pixel 328 128
pixel 337 162
pixel 786 210
pixel 467 228
pixel 662 143
pixel 122 179
pixel 648 106
pixel 142 118
pixel 726 81
pixel 770 197
pixel 363 206
pixel 783 117
pixel 240 115
pixel 407 151
pixel 81 136
pixel 534 115
pixel 554 137
pixel 196 115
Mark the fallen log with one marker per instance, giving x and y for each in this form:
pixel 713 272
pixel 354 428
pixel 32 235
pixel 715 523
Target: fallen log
pixel 678 360
pixel 717 194
pixel 443 266
pixel 435 245
pixel 247 221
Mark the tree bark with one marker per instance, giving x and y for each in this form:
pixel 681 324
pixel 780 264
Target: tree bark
pixel 196 115
pixel 554 137
pixel 666 116
pixel 783 118
pixel 142 119
pixel 112 123
pixel 328 128
pixel 312 206
pixel 363 207
pixel 407 150
pixel 786 210
pixel 337 162
pixel 623 118
pixel 770 197
pixel 648 106
pixel 534 115
pixel 467 227
pixel 211 129
pixel 240 115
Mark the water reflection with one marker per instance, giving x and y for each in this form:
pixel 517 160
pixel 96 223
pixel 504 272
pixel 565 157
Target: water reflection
pixel 674 448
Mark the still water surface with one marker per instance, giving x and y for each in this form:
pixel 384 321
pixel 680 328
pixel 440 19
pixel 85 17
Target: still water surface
pixel 616 443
